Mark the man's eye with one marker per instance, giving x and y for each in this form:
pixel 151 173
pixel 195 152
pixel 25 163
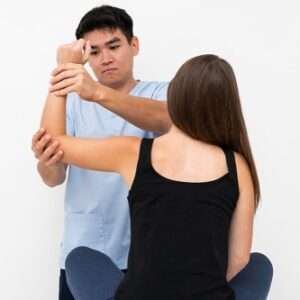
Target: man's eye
pixel 94 52
pixel 114 47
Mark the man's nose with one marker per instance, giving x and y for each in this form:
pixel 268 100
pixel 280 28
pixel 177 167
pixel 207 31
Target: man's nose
pixel 106 58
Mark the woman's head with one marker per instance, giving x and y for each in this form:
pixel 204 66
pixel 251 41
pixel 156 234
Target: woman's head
pixel 204 103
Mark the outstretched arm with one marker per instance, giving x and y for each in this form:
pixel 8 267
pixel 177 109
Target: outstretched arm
pixel 115 154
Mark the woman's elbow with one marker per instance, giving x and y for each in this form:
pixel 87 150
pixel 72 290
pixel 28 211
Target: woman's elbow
pixel 242 261
pixel 236 265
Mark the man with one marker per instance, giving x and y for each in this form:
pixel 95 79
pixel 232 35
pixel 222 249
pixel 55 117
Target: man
pixel 96 210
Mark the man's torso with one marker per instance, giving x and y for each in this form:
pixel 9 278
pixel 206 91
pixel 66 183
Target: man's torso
pixel 96 208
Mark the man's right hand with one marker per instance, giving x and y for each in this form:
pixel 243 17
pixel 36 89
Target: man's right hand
pixel 50 165
pixel 45 149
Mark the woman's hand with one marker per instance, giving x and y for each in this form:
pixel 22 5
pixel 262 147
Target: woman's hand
pixel 76 52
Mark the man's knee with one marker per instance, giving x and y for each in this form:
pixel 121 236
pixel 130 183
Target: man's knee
pixel 75 257
pixel 83 258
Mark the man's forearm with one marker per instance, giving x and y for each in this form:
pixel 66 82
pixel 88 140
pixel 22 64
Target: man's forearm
pixel 54 175
pixel 53 118
pixel 53 121
pixel 145 113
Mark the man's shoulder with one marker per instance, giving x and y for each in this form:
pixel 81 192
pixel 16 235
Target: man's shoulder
pixel 153 84
pixel 151 89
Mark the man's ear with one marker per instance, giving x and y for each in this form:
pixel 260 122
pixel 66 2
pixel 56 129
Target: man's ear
pixel 135 45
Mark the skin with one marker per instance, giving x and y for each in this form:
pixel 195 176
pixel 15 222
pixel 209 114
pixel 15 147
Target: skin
pixel 110 56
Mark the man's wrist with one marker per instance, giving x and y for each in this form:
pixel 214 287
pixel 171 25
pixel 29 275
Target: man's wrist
pixel 102 93
pixel 53 167
pixel 52 175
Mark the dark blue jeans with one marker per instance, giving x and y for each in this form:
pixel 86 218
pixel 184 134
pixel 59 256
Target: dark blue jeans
pixel 91 275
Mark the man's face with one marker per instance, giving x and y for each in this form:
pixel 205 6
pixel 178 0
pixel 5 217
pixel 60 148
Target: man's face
pixel 111 56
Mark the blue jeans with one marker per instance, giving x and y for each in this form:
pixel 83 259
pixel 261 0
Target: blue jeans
pixel 91 275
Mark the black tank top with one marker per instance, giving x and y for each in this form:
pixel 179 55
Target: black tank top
pixel 179 235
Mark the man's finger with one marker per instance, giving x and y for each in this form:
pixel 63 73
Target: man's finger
pixel 64 92
pixel 41 144
pixel 62 85
pixel 36 137
pixel 65 67
pixel 64 75
pixel 49 151
pixel 55 158
pixel 87 51
pixel 80 44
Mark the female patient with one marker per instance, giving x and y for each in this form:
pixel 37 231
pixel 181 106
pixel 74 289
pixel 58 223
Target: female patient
pixel 193 191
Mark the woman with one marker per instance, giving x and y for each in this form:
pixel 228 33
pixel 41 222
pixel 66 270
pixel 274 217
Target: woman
pixel 193 191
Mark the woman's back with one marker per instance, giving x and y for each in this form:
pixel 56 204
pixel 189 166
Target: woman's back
pixel 180 158
pixel 180 224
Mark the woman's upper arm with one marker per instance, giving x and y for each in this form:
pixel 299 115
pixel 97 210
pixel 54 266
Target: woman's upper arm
pixel 108 154
pixel 241 228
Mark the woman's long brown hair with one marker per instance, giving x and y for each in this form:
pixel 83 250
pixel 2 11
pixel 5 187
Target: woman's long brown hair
pixel 204 102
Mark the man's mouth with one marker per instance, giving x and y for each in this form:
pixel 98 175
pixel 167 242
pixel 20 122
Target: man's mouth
pixel 109 70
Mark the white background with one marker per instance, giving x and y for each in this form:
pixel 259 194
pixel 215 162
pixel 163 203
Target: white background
pixel 259 38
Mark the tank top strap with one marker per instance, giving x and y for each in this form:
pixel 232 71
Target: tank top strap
pixel 231 165
pixel 144 161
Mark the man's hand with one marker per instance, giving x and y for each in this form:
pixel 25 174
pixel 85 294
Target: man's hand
pixel 72 77
pixel 45 149
pixel 76 52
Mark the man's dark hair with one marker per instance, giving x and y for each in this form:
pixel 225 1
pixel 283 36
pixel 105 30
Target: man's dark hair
pixel 106 17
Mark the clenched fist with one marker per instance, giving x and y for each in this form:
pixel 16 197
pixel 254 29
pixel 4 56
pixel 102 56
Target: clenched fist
pixel 76 52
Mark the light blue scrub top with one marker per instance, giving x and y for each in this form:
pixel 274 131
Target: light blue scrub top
pixel 96 208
